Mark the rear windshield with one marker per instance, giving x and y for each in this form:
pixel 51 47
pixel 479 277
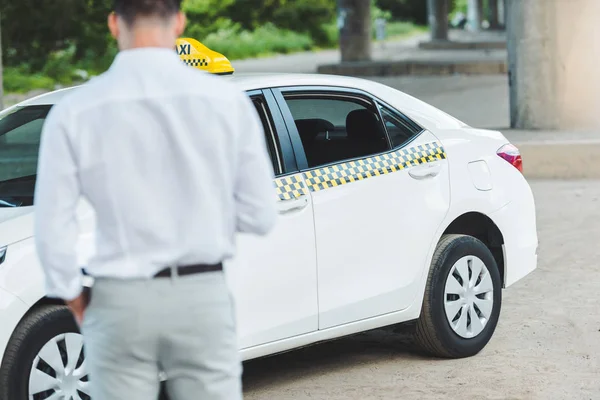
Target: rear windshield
pixel 20 132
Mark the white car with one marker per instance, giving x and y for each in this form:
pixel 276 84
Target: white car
pixel 390 211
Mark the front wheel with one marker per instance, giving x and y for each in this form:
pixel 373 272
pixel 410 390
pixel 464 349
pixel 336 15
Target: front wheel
pixel 44 358
pixel 462 301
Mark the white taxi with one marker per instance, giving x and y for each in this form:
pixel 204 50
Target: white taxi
pixel 390 211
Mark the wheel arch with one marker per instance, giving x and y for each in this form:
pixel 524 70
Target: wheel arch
pixel 47 301
pixel 482 227
pixel 42 302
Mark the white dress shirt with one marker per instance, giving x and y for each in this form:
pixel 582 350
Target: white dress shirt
pixel 173 160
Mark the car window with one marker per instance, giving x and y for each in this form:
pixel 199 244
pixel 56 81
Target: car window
pixel 337 110
pixel 20 133
pixel 333 129
pixel 270 134
pixel 400 130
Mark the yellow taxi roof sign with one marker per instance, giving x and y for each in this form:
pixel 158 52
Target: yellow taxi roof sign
pixel 197 55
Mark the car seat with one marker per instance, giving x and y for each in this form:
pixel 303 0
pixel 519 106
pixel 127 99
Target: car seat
pixel 365 134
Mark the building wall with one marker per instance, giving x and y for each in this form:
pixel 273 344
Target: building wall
pixel 554 62
pixel 578 62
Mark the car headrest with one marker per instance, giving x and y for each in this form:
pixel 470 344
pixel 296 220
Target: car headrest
pixel 364 125
pixel 310 128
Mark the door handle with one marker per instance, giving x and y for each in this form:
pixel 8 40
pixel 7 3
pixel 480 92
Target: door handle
pixel 429 170
pixel 297 204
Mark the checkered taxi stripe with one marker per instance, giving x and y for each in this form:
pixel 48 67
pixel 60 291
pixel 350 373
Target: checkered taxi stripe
pixel 340 174
pixel 196 62
pixel 290 187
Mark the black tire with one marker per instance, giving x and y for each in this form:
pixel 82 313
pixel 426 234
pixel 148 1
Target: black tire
pixel 433 332
pixel 32 333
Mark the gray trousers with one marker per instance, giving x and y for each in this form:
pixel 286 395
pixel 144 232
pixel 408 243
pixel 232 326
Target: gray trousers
pixel 181 326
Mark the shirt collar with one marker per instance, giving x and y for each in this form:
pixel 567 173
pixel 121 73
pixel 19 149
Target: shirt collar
pixel 145 57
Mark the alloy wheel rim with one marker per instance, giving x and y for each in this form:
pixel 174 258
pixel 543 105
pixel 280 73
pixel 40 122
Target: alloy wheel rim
pixel 468 297
pixel 59 370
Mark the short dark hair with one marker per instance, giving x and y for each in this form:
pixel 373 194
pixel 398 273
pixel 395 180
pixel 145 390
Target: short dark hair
pixel 129 10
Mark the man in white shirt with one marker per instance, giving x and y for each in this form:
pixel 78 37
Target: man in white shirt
pixel 174 162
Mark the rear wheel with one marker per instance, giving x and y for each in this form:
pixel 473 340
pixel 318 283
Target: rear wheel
pixel 462 301
pixel 44 358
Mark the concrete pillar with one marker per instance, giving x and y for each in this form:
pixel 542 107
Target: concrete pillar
pixel 354 22
pixel 554 52
pixel 493 15
pixel 438 19
pixel 473 16
pixel 480 12
pixel 502 13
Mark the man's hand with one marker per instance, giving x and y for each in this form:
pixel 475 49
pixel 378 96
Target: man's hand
pixel 79 304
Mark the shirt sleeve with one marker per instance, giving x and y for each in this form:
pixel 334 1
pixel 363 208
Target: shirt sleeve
pixel 56 197
pixel 254 190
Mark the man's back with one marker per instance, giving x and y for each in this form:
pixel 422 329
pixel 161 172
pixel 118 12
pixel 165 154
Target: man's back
pixel 158 147
pixel 174 163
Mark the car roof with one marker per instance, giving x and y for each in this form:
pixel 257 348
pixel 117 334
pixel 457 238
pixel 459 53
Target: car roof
pixel 247 81
pixel 423 113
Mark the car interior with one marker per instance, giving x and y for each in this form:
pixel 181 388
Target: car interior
pixel 324 143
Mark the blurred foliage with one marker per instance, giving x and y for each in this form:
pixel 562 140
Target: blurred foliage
pixel 459 6
pixel 406 10
pixel 206 16
pixel 403 29
pixel 21 80
pixel 266 39
pixel 33 29
pixel 45 41
pixel 303 16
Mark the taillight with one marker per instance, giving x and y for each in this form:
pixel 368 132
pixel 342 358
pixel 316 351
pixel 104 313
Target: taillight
pixel 511 154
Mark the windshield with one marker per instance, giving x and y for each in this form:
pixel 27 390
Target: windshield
pixel 20 131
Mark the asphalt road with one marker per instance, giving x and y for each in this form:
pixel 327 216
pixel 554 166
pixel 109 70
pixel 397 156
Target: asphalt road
pixel 546 346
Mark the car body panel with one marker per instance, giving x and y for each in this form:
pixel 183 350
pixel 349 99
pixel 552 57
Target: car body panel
pixel 12 310
pixel 517 222
pixel 355 284
pixel 16 223
pixel 280 346
pixel 510 205
pixel 274 279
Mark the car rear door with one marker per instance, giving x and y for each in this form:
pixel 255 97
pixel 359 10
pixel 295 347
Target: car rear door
pixel 378 198
pixel 275 279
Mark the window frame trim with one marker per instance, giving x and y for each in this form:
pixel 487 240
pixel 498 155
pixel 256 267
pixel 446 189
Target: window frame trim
pixel 272 133
pixel 418 129
pixel 279 132
pixel 335 91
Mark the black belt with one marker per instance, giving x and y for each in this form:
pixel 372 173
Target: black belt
pixel 189 270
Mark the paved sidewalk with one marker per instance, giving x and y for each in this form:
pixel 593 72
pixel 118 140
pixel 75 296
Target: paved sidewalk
pixel 467 53
pixel 389 51
pixel 308 62
pixel 552 138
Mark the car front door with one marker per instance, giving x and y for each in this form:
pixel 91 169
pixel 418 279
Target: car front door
pixel 378 197
pixel 275 278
